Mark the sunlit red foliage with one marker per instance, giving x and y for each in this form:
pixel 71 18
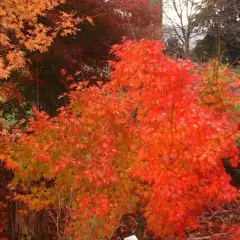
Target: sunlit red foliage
pixel 144 139
pixel 182 143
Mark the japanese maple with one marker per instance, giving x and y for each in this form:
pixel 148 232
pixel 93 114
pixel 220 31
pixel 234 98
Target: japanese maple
pixel 79 163
pixel 182 143
pixel 144 139
pixel 22 29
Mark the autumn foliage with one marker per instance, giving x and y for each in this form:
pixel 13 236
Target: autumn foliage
pixel 33 26
pixel 23 30
pixel 145 140
pixel 219 88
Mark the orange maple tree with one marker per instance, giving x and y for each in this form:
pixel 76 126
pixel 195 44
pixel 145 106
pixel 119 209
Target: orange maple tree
pixel 27 26
pixel 142 140
pixel 182 143
pixel 219 88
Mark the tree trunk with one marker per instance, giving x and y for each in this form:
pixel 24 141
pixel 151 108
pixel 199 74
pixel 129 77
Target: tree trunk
pixel 14 225
pixel 187 48
pixel 37 225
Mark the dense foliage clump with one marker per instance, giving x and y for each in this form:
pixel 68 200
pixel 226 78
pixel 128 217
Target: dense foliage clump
pixel 145 140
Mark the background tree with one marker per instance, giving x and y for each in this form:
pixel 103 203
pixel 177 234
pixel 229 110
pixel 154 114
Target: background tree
pixel 181 17
pixel 173 47
pixel 208 48
pixel 220 20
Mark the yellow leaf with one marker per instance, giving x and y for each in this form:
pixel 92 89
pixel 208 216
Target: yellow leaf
pixel 90 20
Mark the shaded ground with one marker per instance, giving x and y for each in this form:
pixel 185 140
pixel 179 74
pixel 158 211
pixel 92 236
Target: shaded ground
pixel 220 224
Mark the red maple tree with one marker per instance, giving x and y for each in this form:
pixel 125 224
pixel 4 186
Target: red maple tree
pixel 144 139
